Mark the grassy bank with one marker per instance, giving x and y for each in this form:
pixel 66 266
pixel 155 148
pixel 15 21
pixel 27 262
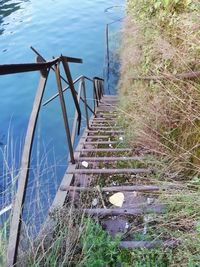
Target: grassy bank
pixel 162 112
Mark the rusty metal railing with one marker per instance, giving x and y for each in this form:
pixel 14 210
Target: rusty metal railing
pixel 45 67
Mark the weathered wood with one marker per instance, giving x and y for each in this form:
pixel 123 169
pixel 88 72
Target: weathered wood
pixel 23 176
pixel 105 115
pixel 158 208
pixel 105 131
pixel 101 143
pixel 110 96
pixel 98 136
pixel 96 159
pixel 123 188
pixel 111 150
pixel 99 127
pixel 113 171
pixel 104 124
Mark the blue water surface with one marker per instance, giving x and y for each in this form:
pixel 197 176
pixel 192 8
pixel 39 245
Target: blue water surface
pixel 73 28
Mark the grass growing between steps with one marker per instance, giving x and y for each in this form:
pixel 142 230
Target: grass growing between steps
pixel 162 117
pixel 78 240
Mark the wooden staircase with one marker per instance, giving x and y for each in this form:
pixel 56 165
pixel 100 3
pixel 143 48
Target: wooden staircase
pixel 105 166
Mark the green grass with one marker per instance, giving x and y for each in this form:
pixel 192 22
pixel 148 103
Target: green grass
pixel 162 118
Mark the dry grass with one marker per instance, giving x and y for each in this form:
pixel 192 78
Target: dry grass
pixel 163 116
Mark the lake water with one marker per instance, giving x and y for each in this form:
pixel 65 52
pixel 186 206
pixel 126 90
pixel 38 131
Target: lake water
pixel 73 28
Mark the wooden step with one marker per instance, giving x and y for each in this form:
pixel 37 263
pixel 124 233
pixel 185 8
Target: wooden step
pixel 97 137
pixel 111 150
pixel 96 159
pixel 156 208
pixel 123 188
pixel 102 124
pixel 107 115
pixel 99 127
pixel 101 143
pixel 110 171
pixel 103 121
pixel 105 131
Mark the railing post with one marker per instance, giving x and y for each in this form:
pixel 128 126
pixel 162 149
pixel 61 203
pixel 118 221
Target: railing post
pixel 97 91
pixel 76 114
pixel 85 101
pixel 64 112
pixel 73 91
pixel 23 176
pixel 96 103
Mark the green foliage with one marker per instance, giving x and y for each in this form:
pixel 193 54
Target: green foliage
pixel 3 243
pixel 99 248
pixel 161 8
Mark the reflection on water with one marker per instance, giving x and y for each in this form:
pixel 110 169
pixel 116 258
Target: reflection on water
pixel 7 7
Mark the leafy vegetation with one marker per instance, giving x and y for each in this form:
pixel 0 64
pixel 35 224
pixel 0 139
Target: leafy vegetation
pixel 161 38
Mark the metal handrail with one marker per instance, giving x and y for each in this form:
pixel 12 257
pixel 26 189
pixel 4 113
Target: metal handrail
pixel 44 67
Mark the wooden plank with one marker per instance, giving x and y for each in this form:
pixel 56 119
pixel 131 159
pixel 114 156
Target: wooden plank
pixel 97 137
pixel 99 119
pixel 104 123
pixel 123 188
pixel 106 115
pixel 96 159
pixel 107 104
pixel 101 143
pixel 156 208
pixel 105 131
pixel 109 96
pixel 111 150
pixel 95 127
pixel 106 108
pixel 102 119
pixel 23 176
pixel 108 171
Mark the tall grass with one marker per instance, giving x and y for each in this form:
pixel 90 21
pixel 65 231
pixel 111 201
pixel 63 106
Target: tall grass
pixel 162 118
pixel 42 185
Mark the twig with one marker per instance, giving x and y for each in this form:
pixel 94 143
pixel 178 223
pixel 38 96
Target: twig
pixel 100 193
